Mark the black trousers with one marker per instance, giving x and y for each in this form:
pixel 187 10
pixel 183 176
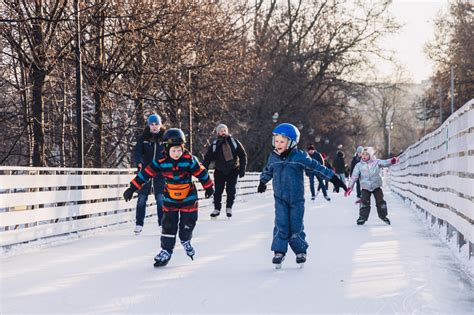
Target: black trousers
pixel 359 191
pixel 174 220
pixel 228 182
pixel 380 203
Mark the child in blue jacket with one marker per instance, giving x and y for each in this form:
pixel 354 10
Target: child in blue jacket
pixel 286 166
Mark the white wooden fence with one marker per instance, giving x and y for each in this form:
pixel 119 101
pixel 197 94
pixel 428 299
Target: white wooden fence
pixel 436 175
pixel 38 203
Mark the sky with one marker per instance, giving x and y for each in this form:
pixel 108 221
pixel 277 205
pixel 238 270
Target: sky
pixel 418 20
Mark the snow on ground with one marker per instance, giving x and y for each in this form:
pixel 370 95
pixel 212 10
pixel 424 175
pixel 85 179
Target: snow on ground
pixel 373 268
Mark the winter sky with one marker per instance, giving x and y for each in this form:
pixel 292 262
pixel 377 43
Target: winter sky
pixel 418 20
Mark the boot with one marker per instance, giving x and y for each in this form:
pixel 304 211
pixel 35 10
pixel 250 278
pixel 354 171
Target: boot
pixel 188 248
pixel 361 220
pixel 301 258
pixel 278 259
pixel 228 212
pixel 386 220
pixel 138 229
pixel 215 213
pixel 162 258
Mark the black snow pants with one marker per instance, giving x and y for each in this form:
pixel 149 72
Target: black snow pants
pixel 227 181
pixel 379 203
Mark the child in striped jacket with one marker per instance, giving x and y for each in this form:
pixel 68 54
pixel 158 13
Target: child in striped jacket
pixel 180 202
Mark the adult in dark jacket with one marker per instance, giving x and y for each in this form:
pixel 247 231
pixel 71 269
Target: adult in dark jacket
pixel 230 162
pixel 355 160
pixel 147 149
pixel 340 167
pixel 314 154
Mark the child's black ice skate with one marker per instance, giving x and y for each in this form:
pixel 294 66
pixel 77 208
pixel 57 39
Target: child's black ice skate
pixel 386 220
pixel 301 259
pixel 188 248
pixel 278 259
pixel 162 258
pixel 361 221
pixel 228 212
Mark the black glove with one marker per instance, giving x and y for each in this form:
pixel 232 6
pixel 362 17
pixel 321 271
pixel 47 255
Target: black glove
pixel 209 192
pixel 261 187
pixel 338 183
pixel 128 194
pixel 241 173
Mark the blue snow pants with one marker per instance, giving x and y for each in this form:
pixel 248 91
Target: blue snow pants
pixel 289 227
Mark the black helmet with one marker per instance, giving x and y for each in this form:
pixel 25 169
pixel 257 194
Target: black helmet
pixel 173 137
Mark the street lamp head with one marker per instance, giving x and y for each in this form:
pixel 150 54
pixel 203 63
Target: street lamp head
pixel 275 117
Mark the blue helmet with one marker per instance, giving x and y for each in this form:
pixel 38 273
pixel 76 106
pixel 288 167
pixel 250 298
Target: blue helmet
pixel 289 131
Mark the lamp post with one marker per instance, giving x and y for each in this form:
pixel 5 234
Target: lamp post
pixel 389 127
pixel 79 111
pixel 190 59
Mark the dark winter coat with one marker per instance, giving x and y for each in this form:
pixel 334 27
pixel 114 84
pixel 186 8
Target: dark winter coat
pixel 339 163
pixel 355 160
pixel 316 156
pixel 287 174
pixel 214 153
pixel 147 149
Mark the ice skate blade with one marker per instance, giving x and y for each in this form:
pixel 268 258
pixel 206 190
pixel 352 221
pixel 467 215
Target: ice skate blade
pixel 301 265
pixel 277 266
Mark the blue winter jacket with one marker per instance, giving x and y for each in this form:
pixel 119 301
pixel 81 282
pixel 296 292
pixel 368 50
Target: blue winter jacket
pixel 288 173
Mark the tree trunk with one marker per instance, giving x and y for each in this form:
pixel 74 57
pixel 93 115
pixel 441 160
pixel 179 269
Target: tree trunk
pixel 38 116
pixel 99 93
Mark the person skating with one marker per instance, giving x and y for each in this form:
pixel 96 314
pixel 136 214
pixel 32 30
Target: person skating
pixel 340 167
pixel 230 162
pixel 324 184
pixel 368 172
pixel 355 160
pixel 286 165
pixel 180 202
pixel 314 154
pixel 147 149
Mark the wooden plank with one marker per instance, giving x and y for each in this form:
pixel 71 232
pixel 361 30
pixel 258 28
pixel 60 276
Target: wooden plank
pixel 43 181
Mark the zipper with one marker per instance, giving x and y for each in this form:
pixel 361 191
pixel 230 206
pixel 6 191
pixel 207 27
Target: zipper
pixel 154 156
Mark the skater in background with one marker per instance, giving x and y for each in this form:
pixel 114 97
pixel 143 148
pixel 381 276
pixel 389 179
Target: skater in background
pixel 314 154
pixel 147 149
pixel 180 195
pixel 230 162
pixel 368 172
pixel 286 165
pixel 355 160
pixel 340 167
pixel 326 182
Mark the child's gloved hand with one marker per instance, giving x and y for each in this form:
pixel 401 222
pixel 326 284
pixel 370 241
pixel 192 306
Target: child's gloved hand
pixel 394 160
pixel 338 182
pixel 241 173
pixel 209 192
pixel 348 192
pixel 128 193
pixel 261 187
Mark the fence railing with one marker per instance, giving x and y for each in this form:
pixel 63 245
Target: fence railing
pixel 436 175
pixel 38 203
